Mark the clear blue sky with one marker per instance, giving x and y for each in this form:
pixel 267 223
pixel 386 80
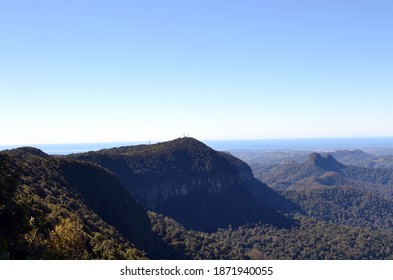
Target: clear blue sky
pixel 97 71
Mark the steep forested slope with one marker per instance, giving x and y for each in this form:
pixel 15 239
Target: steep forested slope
pixel 57 197
pixel 185 179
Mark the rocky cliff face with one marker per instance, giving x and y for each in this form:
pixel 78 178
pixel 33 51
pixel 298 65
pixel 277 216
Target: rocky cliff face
pixel 153 174
pixel 185 179
pixel 167 185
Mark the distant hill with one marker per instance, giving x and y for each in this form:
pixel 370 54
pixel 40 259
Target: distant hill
pixel 280 176
pixel 331 191
pixel 260 159
pixel 62 196
pixel 328 162
pixel 201 188
pixel 362 159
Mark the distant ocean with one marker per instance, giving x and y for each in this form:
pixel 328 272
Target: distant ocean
pixel 227 145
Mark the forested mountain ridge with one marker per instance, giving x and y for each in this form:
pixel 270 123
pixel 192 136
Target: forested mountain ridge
pixel 186 163
pixel 59 200
pixel 60 193
pixel 198 186
pixel 260 159
pixel 281 176
pixel 206 205
pixel 363 159
pixel 333 192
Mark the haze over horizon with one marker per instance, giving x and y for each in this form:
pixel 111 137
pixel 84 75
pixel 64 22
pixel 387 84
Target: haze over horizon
pixel 336 141
pixel 129 71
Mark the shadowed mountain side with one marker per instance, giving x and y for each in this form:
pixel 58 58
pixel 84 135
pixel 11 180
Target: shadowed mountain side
pixel 190 182
pixel 269 198
pixel 91 214
pixel 208 212
pixel 104 194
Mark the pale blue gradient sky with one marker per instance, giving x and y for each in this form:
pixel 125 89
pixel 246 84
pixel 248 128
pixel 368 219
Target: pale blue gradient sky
pixel 97 71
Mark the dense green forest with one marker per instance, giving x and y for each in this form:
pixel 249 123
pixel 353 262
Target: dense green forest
pixel 310 239
pixel 182 200
pixel 332 192
pixel 43 216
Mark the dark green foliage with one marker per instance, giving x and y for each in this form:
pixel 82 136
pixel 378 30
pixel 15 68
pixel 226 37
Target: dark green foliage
pixel 14 219
pixel 346 205
pixel 311 240
pixel 382 176
pixel 207 205
pixel 199 187
pixel 329 191
pixel 281 176
pixel 104 194
pixel 49 200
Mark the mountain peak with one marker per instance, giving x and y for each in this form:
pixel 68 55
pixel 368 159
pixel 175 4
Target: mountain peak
pixel 27 152
pixel 314 157
pixel 179 144
pixel 327 162
pixel 187 143
pixel 185 179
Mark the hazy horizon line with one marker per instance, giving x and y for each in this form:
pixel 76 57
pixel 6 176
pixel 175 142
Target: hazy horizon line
pixel 202 140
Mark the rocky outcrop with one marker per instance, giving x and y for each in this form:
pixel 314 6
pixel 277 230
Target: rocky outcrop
pixel 328 162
